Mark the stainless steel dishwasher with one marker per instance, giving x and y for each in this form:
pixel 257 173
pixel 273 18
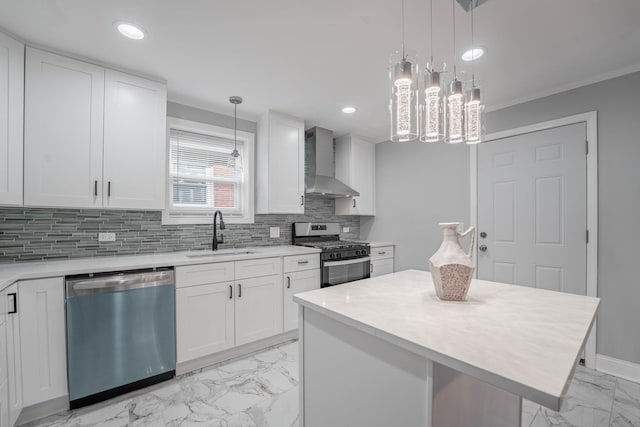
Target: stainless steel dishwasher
pixel 120 332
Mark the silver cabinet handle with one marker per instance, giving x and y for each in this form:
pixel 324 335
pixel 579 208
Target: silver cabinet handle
pixel 230 292
pixel 354 202
pixel 301 200
pixel 239 290
pixel 370 268
pixel 95 187
pixel 14 298
pixel 303 262
pixel 109 189
pixel 288 282
pixel 382 253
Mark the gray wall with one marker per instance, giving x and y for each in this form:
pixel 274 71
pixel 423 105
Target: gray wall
pixel 437 180
pixel 418 186
pixel 31 234
pixel 617 102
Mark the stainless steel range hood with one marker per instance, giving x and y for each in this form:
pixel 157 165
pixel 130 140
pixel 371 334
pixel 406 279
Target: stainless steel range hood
pixel 319 170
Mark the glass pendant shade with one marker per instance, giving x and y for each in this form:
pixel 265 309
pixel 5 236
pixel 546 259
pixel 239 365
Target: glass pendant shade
pixel 403 105
pixel 454 113
pixel 474 119
pixel 234 161
pixel 431 118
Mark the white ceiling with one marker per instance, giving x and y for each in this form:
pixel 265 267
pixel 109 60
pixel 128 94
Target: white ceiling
pixel 311 58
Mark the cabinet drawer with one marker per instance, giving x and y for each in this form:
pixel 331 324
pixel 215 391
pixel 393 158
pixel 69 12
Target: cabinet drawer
pixel 203 274
pixel 382 252
pixel 258 267
pixel 301 262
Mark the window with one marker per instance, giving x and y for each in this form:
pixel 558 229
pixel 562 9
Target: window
pixel 199 179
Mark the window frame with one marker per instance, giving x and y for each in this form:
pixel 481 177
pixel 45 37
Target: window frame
pixel 200 215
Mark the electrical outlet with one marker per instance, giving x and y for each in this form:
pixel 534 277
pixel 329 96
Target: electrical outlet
pixel 106 237
pixel 345 229
pixel 274 232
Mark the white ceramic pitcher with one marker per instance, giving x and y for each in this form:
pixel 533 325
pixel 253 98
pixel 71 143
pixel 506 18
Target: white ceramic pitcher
pixel 451 267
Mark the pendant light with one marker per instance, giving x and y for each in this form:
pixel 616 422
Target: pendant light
pixel 235 160
pixel 454 109
pixel 475 108
pixel 431 125
pixel 403 105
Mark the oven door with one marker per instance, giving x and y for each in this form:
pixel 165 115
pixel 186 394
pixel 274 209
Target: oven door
pixel 337 272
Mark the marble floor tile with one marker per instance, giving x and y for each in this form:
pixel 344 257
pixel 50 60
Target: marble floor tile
pixel 262 391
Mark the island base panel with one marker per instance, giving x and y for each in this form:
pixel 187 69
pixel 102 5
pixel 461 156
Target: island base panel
pixel 351 378
pixel 463 401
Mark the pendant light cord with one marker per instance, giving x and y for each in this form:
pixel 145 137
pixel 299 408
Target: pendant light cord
pixel 431 35
pixel 453 9
pixel 235 126
pixel 473 49
pixel 403 55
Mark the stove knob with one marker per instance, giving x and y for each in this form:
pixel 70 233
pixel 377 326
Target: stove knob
pixel 357 252
pixel 338 255
pixel 331 256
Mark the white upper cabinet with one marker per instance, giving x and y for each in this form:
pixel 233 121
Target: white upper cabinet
pixel 64 104
pixel 93 137
pixel 280 164
pixel 135 111
pixel 356 167
pixel 11 122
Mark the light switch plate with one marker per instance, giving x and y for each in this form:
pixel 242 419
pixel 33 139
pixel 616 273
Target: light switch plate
pixel 274 232
pixel 106 237
pixel 345 229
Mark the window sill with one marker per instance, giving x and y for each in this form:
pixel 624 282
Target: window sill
pixel 171 218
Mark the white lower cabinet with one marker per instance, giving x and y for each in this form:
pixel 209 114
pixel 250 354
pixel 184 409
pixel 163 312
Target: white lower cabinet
pixel 294 283
pixel 204 320
pixel 14 361
pixel 42 340
pixel 258 308
pixel 4 403
pixel 382 260
pixel 4 386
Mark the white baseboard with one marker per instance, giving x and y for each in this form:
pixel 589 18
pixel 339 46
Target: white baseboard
pixel 620 368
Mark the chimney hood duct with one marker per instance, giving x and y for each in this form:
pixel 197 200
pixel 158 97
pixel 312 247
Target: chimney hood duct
pixel 319 169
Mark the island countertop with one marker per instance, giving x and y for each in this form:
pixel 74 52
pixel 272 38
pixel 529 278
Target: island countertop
pixel 523 340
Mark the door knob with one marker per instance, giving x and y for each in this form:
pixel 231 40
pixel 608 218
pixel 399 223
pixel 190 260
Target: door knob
pixel 483 248
pixel 483 234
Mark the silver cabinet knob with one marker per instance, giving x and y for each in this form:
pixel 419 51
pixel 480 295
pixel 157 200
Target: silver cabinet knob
pixel 483 248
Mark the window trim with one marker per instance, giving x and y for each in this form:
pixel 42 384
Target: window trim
pixel 200 215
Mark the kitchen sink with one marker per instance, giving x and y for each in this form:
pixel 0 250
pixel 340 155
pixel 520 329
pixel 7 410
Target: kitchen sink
pixel 223 252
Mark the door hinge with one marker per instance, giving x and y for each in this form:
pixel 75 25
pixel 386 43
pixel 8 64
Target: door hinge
pixel 587 236
pixel 586 147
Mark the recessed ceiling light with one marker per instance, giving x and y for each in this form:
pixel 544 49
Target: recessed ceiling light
pixel 473 54
pixel 130 30
pixel 349 110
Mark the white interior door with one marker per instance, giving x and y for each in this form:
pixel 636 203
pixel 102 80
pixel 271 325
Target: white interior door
pixel 532 205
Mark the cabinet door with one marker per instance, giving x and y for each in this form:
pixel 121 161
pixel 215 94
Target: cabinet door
pixel 4 390
pixel 42 340
pixel 64 104
pixel 204 320
pixel 294 283
pixel 258 308
pixel 11 120
pixel 380 267
pixel 134 142
pixel 14 362
pixel 363 176
pixel 286 164
pixel 4 403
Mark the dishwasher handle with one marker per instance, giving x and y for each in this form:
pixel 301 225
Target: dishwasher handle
pixel 89 285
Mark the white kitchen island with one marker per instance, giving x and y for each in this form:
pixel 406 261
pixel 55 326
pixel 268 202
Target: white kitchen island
pixel 387 352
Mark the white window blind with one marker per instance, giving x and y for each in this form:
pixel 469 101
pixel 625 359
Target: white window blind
pixel 200 177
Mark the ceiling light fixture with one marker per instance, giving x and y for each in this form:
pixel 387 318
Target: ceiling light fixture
pixel 454 110
pixel 403 105
pixel 474 53
pixel 130 30
pixel 235 160
pixel 431 127
pixel 474 113
pixel 349 110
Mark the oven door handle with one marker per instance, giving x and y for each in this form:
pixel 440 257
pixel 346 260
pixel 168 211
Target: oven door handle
pixel 345 262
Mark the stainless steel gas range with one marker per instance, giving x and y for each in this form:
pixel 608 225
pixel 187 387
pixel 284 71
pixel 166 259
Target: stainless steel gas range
pixel 341 261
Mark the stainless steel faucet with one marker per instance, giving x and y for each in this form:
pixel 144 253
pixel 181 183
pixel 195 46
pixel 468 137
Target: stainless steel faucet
pixel 216 242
